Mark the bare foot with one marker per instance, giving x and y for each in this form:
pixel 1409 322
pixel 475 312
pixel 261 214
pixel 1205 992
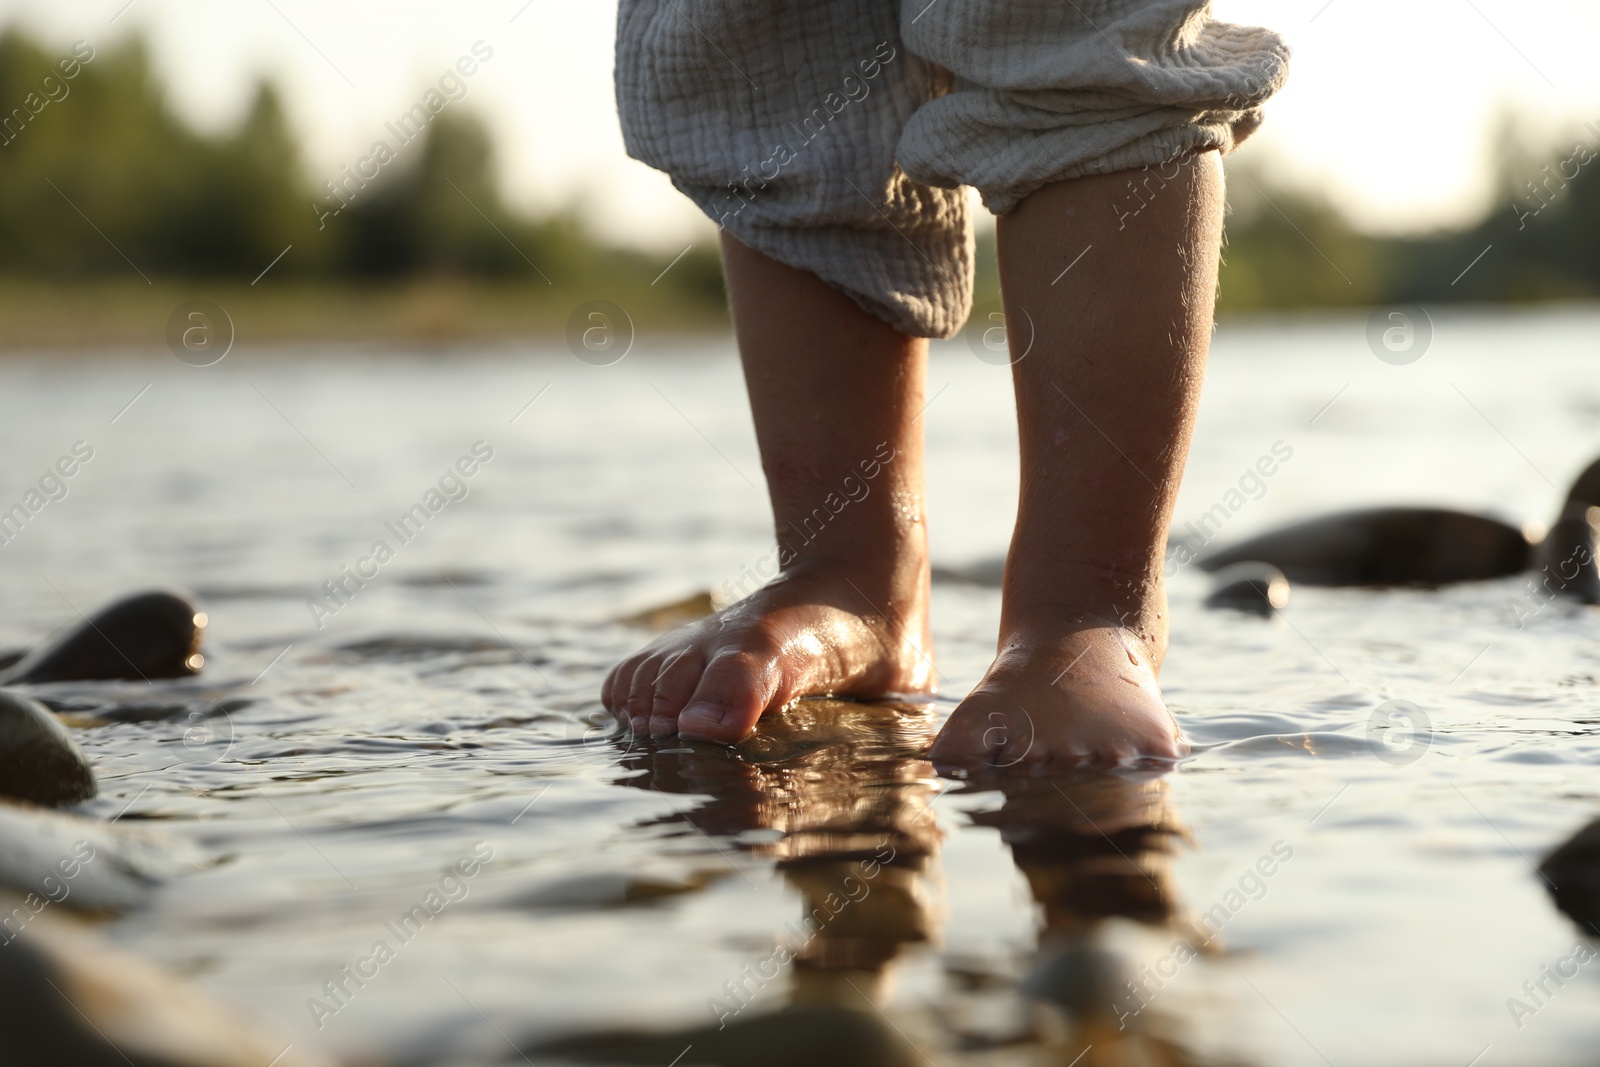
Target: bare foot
pixel 1106 398
pixel 1060 694
pixel 816 630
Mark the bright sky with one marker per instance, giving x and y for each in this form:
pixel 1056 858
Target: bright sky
pixel 1389 111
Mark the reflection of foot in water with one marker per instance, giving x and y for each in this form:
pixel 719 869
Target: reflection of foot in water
pixel 1094 848
pixel 844 794
pixel 846 802
pixel 836 394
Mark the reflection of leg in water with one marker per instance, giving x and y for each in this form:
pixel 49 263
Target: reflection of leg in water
pixel 844 785
pixel 844 797
pixel 1093 849
pixel 847 959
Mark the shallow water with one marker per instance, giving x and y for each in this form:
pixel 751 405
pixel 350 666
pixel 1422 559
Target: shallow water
pixel 450 710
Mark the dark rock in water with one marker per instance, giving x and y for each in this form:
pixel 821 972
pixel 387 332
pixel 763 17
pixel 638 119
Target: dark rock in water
pixel 1387 546
pixel 145 636
pixel 1569 557
pixel 68 998
pixel 416 646
pixel 1586 487
pixel 1570 554
pixel 1572 877
pixel 441 579
pixel 793 1037
pixel 39 760
pixel 1260 588
pixel 990 572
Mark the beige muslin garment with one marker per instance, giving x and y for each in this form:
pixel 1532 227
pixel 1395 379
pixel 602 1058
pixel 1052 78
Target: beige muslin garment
pixel 835 135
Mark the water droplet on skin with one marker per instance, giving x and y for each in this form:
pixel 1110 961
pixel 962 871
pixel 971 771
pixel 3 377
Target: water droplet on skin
pixel 1132 658
pixel 1075 618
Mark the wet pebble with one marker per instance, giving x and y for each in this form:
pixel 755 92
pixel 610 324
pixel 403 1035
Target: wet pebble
pixel 798 1036
pixel 137 638
pixel 39 760
pixel 66 997
pixel 1572 877
pixel 1570 554
pixel 1259 588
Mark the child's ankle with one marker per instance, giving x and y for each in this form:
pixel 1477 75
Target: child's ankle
pixel 1140 626
pixel 888 575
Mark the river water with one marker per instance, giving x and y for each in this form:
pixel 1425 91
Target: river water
pixel 1303 890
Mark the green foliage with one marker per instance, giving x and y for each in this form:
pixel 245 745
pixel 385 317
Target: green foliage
pixel 1287 249
pixel 182 205
pixel 107 171
pixel 96 172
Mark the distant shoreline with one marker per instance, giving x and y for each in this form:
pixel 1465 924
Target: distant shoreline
pixel 101 313
pixel 98 314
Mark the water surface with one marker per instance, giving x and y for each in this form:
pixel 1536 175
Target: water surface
pixel 636 897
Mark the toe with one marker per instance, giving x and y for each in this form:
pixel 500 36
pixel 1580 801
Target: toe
pixel 642 693
pixel 674 685
pixel 969 738
pixel 1012 740
pixel 736 688
pixel 615 691
pixel 1166 747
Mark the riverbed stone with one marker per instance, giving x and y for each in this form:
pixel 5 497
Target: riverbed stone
pixel 39 760
pixel 136 638
pixel 68 997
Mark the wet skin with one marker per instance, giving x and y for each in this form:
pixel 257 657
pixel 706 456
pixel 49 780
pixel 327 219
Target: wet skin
pixel 1106 396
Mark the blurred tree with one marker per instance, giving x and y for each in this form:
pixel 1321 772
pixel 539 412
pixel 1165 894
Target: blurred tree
pixel 109 165
pixel 435 210
pixel 96 171
pixel 1540 241
pixel 1287 249
pixel 106 175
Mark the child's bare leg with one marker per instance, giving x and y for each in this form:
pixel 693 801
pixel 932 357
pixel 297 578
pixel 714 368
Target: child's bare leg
pixel 1105 404
pixel 836 395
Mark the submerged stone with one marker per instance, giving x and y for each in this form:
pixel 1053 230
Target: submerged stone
pixel 667 616
pixel 988 572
